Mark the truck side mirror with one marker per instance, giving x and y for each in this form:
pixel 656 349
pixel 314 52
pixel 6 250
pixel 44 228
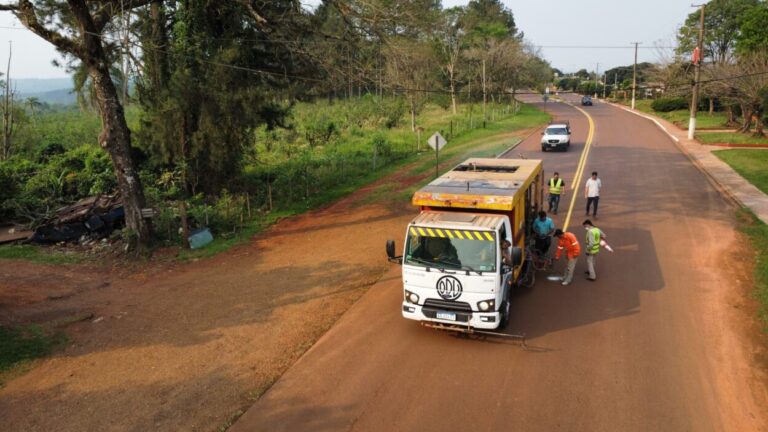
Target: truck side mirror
pixel 517 256
pixel 391 253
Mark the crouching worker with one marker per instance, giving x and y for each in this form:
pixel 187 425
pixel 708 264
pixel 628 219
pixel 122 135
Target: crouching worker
pixel 567 242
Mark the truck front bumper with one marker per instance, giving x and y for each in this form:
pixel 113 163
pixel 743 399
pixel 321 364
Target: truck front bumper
pixel 479 320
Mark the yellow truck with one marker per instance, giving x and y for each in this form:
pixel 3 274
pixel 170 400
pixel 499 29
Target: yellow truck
pixel 454 273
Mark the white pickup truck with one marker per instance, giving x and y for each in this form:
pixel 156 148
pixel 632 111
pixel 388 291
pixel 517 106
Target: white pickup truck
pixel 556 136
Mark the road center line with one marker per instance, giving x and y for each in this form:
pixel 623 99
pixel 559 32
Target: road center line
pixel 580 166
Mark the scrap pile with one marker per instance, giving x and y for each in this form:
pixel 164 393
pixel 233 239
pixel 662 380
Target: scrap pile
pixel 87 220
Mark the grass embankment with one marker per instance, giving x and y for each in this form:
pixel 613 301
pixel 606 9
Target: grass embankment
pixel 704 120
pixel 465 142
pixel 730 138
pixel 757 231
pixel 751 164
pixel 37 254
pixel 20 345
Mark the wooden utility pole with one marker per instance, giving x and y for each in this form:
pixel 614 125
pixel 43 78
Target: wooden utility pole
pixel 697 56
pixel 8 109
pixel 634 75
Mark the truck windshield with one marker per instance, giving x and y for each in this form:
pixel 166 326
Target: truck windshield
pixel 557 131
pixel 451 249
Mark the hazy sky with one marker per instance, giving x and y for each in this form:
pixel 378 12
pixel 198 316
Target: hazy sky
pixel 550 24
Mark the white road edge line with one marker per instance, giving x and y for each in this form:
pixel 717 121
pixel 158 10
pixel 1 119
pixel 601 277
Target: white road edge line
pixel 674 138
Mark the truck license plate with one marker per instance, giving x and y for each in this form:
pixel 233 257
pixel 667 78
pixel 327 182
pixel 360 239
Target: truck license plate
pixel 553 145
pixel 446 316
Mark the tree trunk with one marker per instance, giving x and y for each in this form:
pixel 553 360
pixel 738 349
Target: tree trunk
pixel 453 91
pixel 116 139
pixel 746 113
pixel 413 113
pixel 711 106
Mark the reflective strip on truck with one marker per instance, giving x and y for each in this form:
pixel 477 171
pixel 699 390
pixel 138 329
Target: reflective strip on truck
pixel 459 234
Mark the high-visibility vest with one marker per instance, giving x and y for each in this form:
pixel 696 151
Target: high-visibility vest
pixel 593 241
pixel 555 187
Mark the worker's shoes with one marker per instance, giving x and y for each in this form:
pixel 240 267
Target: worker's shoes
pixel 565 283
pixel 591 279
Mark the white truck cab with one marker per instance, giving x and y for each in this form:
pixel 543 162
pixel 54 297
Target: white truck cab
pixel 454 272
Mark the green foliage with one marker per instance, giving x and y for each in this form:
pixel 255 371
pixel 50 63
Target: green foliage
pixel 722 20
pixel 667 104
pixel 19 344
pixel 753 35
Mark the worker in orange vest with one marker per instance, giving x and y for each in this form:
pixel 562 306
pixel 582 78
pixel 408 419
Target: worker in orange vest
pixel 567 242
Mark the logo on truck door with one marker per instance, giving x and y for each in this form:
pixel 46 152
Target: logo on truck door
pixel 449 288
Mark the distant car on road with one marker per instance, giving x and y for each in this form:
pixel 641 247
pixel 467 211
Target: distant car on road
pixel 586 100
pixel 556 136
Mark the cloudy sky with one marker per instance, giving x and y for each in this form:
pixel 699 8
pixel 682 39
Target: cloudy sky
pixel 572 34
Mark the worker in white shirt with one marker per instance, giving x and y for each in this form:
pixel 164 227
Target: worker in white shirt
pixel 592 193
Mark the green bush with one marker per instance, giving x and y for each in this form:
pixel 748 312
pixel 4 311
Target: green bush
pixel 667 104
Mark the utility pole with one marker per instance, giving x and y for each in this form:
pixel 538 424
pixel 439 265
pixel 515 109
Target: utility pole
pixel 605 79
pixel 634 75
pixel 616 85
pixel 597 70
pixel 697 56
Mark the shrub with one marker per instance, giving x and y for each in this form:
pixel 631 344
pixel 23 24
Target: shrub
pixel 667 104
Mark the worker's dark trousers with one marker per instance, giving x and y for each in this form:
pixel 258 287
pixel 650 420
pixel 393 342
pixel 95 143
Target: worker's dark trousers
pixel 554 202
pixel 591 200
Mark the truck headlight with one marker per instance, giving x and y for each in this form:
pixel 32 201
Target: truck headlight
pixel 486 305
pixel 411 297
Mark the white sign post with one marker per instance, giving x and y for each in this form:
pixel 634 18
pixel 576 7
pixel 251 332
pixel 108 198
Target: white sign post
pixel 437 142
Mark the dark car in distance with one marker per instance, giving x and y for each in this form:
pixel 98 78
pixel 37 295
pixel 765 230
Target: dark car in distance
pixel 586 100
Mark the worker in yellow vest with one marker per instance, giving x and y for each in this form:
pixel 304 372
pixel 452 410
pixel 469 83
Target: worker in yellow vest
pixel 592 247
pixel 556 190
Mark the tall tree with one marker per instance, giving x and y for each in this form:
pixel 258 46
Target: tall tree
pixel 722 21
pixel 78 28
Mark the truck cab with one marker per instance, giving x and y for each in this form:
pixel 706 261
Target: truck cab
pixel 454 271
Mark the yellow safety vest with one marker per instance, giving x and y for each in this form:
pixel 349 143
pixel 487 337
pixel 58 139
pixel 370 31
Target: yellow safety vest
pixel 555 188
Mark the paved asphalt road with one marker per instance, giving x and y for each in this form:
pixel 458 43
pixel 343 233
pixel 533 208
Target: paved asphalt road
pixel 647 347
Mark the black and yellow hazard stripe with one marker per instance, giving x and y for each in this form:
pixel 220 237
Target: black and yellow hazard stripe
pixel 453 233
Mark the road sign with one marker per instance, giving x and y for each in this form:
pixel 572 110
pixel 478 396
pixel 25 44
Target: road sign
pixel 437 141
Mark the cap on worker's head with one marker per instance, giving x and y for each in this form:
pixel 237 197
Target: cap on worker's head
pixel 587 222
pixel 558 232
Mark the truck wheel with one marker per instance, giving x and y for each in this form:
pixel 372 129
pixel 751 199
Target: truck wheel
pixel 544 149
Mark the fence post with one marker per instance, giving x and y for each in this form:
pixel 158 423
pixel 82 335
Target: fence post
pixel 184 224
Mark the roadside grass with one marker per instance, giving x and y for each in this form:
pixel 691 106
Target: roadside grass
pixel 469 143
pixel 21 345
pixel 730 138
pixel 749 163
pixel 37 254
pixel 704 120
pixel 757 231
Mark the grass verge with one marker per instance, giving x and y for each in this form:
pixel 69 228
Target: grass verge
pixel 704 120
pixel 757 231
pixel 20 345
pixel 730 138
pixel 750 164
pixel 37 254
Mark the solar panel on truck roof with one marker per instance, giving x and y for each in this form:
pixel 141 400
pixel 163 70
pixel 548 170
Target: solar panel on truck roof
pixel 479 183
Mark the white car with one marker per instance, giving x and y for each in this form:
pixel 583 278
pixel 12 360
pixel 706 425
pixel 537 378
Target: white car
pixel 556 136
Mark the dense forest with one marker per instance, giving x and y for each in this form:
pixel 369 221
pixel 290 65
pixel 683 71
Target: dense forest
pixel 246 104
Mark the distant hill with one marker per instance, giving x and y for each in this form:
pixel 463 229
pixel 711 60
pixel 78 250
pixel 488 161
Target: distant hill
pixel 50 90
pixel 53 97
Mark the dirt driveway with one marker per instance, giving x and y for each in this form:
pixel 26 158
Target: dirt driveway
pixel 190 346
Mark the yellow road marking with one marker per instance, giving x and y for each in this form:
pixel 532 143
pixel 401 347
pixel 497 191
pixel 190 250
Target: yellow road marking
pixel 580 167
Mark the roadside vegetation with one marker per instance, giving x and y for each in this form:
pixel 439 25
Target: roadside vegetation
pixel 758 234
pixel 750 164
pixel 730 138
pixel 215 131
